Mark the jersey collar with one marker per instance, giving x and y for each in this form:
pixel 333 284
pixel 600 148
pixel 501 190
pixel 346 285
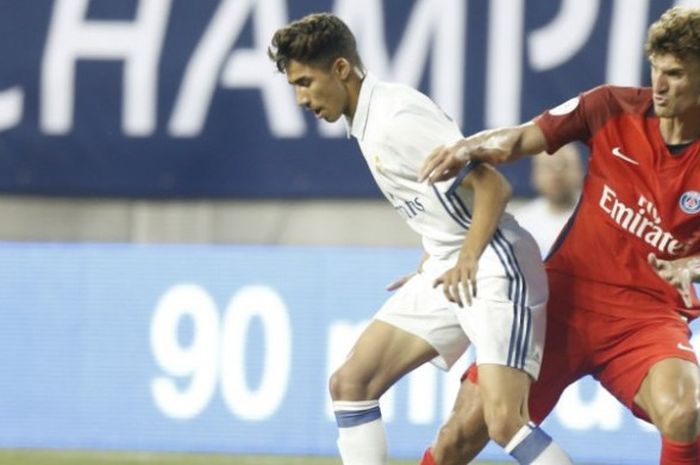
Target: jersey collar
pixel 356 126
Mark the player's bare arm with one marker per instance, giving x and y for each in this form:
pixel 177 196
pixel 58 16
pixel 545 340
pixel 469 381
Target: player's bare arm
pixel 492 146
pixel 679 273
pixel 491 194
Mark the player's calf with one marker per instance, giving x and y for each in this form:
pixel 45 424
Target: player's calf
pixel 461 439
pixel 464 434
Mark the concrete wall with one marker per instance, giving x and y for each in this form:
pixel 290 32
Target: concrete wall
pixel 366 222
pixel 298 222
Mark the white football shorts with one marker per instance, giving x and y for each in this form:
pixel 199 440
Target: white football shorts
pixel 506 321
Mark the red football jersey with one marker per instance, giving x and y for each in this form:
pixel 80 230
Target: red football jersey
pixel 638 198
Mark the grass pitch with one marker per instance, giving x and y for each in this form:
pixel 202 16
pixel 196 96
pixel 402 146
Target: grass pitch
pixel 56 457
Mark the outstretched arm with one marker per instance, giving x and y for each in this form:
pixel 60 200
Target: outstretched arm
pixel 492 146
pixel 491 194
pixel 679 273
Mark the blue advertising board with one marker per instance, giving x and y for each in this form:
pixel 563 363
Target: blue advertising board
pixel 226 349
pixel 176 98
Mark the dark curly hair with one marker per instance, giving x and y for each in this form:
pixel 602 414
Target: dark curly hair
pixel 317 39
pixel 677 32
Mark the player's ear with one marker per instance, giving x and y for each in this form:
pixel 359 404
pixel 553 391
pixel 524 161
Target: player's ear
pixel 342 68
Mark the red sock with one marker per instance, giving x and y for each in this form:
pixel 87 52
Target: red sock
pixel 427 458
pixel 679 453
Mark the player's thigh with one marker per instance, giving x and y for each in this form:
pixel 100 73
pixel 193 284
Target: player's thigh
pixel 506 321
pixel 558 371
pixel 565 355
pixel 385 351
pixel 505 332
pixel 556 374
pixel 638 358
pixel 503 388
pixel 423 311
pixel 564 360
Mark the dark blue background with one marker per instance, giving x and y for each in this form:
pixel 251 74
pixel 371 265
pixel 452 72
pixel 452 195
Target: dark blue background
pixel 235 156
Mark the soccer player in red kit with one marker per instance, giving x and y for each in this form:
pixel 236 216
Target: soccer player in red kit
pixel 621 272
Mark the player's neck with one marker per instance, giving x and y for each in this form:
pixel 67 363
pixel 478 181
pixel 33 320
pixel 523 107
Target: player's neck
pixel 681 129
pixel 354 85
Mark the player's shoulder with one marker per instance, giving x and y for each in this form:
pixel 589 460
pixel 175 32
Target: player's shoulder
pixel 619 99
pixel 401 115
pixel 395 99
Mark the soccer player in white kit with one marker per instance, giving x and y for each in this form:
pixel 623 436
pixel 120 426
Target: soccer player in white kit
pixel 493 283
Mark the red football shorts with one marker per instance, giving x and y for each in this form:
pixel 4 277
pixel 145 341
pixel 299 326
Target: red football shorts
pixel 616 351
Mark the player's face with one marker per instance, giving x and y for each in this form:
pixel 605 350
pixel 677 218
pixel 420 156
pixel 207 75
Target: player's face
pixel 676 85
pixel 318 90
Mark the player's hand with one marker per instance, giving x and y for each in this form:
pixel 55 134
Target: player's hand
pixel 459 282
pixel 443 163
pixel 398 283
pixel 489 146
pixel 675 272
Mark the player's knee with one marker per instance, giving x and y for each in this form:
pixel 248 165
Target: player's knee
pixel 345 385
pixel 502 430
pixel 503 422
pixel 336 385
pixel 680 420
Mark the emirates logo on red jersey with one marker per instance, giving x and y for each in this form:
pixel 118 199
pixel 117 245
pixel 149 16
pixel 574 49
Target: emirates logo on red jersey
pixel 642 221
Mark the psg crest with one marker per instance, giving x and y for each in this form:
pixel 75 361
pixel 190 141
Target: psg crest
pixel 690 202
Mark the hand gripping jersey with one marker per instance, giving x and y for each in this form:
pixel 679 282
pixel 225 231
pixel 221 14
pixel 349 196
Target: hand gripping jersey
pixel 638 198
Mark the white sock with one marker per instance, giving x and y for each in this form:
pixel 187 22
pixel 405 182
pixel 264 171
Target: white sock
pixel 361 438
pixel 532 446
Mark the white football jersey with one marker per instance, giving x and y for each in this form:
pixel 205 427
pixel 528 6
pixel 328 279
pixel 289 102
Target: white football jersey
pixel 397 127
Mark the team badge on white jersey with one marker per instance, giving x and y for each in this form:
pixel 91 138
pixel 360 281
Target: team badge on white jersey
pixel 378 164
